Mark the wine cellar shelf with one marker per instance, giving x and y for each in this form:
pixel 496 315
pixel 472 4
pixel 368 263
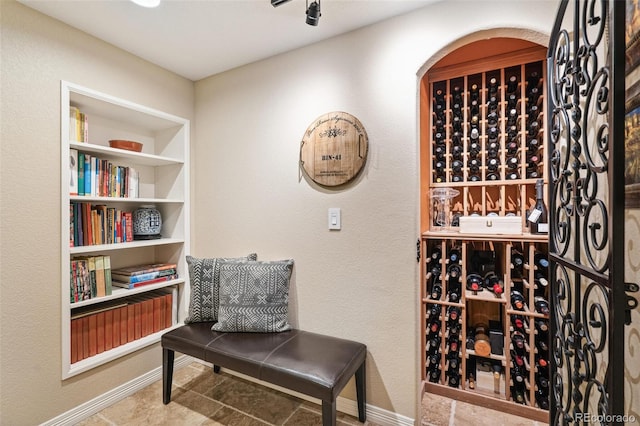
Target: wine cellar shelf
pixel 484 289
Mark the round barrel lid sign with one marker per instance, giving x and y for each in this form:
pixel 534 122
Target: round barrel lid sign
pixel 334 149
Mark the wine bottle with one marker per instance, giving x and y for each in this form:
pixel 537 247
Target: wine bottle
pixel 454 379
pixel 456 152
pixel 434 375
pixel 453 345
pixel 474 282
pixel 513 163
pixel 532 173
pixel 541 305
pixel 513 175
pixel 512 147
pixel 436 254
pixel 533 128
pixel 434 311
pixel 538 222
pixel 493 283
pixel 512 117
pixel 512 84
pixel 454 314
pixel 519 343
pixel 542 399
pixel 542 326
pixel 541 261
pixel 440 153
pixel 436 290
pixel 519 323
pixel 492 118
pixel 493 85
pixel 471 371
pixel 474 92
pixel 493 164
pixel 454 271
pixel 454 255
pixel 433 345
pixel 518 395
pixel 474 134
pixel 517 300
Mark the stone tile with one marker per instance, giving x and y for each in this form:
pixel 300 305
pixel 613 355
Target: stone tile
pixel 146 407
pixel 481 416
pixel 436 410
pixel 95 420
pixel 258 401
pixel 198 380
pixel 229 417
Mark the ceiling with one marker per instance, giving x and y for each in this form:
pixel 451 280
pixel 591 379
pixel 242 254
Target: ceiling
pixel 199 38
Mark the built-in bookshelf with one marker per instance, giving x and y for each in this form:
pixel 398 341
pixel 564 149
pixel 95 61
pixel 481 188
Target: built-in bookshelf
pixel 156 176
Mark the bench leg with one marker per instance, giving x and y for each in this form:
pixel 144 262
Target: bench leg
pixel 361 392
pixel 328 413
pixel 216 368
pixel 167 374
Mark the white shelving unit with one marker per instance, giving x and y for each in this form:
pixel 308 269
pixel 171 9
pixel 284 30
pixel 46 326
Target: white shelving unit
pixel 163 167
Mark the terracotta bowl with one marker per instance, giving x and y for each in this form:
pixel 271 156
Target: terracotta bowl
pixel 128 145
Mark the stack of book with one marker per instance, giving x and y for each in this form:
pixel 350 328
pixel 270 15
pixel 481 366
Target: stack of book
pixel 92 176
pixel 95 329
pixel 78 125
pixel 98 224
pixel 140 275
pixel 90 277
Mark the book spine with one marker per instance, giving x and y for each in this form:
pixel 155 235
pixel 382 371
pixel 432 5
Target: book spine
pixel 81 166
pixel 128 285
pixel 73 172
pixel 144 277
pixel 107 276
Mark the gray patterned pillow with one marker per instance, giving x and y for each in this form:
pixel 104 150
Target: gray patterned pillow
pixel 254 296
pixel 204 275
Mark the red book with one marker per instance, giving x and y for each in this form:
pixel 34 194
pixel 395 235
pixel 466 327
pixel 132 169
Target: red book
pixel 131 322
pixel 108 329
pixel 115 328
pixel 100 327
pixel 124 325
pixel 93 335
pixel 85 337
pixel 137 314
pixel 168 305
pixel 143 283
pixel 75 324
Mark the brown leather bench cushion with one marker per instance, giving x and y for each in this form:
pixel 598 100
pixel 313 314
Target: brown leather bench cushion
pixel 310 363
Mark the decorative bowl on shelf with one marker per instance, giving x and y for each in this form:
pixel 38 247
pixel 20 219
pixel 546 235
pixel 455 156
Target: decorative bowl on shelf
pixel 127 145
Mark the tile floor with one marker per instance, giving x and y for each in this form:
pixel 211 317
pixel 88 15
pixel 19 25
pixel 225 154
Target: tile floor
pixel 441 411
pixel 200 397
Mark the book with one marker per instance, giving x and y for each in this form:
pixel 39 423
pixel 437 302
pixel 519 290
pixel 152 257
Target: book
pixel 81 173
pixel 107 276
pixel 91 261
pixel 129 285
pixel 100 283
pixel 144 277
pixel 87 174
pixel 73 172
pixel 132 183
pixel 144 268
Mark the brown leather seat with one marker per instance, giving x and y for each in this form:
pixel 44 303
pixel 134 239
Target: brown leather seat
pixel 310 363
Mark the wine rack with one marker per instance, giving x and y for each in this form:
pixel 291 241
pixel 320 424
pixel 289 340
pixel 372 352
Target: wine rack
pixel 485 312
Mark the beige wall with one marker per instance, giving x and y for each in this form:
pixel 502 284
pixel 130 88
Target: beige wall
pixel 37 52
pixel 359 283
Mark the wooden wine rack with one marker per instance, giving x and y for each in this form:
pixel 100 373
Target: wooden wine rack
pixel 446 160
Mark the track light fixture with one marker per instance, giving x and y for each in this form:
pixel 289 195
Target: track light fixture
pixel 276 3
pixel 313 12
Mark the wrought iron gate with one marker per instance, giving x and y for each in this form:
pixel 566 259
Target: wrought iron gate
pixel 585 101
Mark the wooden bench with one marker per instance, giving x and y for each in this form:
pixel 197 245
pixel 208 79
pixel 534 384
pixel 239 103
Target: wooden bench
pixel 312 364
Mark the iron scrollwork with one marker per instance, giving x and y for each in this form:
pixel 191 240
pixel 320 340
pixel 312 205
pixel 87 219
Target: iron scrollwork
pixel 579 104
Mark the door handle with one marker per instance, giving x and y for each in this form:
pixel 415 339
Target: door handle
pixel 631 301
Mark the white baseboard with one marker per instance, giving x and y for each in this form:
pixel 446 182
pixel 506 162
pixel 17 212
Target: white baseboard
pixel 75 415
pixel 89 408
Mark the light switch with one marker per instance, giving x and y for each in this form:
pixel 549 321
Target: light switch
pixel 334 218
